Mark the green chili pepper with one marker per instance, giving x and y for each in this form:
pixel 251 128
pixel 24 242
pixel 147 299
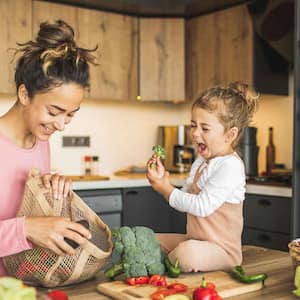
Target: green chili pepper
pixel 114 271
pixel 173 270
pixel 297 292
pixel 239 273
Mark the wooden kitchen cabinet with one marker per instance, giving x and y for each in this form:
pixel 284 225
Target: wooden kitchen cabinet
pixel 15 24
pixel 115 77
pixel 219 49
pixel 50 12
pixel 116 36
pixel 162 59
pixel 267 221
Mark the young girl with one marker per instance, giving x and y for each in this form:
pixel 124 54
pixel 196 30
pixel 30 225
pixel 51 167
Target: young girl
pixel 214 191
pixel 51 75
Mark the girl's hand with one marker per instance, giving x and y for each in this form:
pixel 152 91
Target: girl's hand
pixel 49 232
pixel 59 184
pixel 158 177
pixel 155 167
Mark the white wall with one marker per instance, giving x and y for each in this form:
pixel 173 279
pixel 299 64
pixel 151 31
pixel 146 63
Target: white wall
pixel 122 133
pixel 276 112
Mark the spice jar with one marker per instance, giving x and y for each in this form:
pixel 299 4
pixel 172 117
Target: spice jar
pixel 88 165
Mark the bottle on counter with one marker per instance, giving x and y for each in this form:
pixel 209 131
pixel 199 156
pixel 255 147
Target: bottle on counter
pixel 95 170
pixel 270 153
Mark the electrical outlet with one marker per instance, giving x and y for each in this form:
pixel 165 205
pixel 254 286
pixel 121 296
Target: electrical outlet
pixel 76 141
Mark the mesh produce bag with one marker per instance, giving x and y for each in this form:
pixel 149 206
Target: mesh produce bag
pixel 39 266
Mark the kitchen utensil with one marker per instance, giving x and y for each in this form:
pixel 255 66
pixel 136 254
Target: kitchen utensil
pixel 225 284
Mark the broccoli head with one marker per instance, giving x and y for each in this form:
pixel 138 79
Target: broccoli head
pixel 159 151
pixel 139 251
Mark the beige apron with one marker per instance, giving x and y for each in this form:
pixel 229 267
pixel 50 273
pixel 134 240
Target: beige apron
pixel 207 246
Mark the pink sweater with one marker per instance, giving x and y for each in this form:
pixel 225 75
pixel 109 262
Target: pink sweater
pixel 15 162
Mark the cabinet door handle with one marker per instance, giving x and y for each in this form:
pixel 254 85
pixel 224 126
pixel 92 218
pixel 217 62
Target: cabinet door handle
pixel 131 193
pixel 264 202
pixel 264 237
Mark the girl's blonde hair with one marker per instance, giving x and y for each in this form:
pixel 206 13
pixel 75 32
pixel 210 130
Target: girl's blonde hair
pixel 234 105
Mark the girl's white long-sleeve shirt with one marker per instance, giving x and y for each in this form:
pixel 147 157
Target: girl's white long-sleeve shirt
pixel 222 180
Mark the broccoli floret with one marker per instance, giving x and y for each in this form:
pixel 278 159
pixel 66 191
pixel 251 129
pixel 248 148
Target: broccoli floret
pixel 127 236
pixel 133 255
pixel 159 151
pixel 135 270
pixel 156 268
pixel 139 250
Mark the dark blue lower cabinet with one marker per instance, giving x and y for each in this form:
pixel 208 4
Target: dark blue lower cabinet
pixel 142 206
pixel 267 221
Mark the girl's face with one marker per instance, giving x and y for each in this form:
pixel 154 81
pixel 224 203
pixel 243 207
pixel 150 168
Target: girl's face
pixel 208 134
pixel 50 111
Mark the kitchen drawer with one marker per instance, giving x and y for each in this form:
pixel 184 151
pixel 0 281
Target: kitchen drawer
pixel 268 213
pixel 266 239
pixel 102 201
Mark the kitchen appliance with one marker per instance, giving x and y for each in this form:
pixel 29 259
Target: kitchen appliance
pixel 249 151
pixel 180 152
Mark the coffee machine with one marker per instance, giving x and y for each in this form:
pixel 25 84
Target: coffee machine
pixel 180 153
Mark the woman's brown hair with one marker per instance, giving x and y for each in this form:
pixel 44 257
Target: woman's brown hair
pixel 234 105
pixel 52 59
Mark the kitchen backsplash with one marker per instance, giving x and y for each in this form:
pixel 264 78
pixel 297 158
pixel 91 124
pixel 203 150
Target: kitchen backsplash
pixel 122 133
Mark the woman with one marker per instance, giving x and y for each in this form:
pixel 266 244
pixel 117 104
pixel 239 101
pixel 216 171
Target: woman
pixel 51 75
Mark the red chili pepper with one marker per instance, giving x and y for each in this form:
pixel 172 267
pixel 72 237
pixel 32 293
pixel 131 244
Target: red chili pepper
pixel 158 280
pixel 163 293
pixel 138 280
pixel 57 295
pixel 179 287
pixel 206 291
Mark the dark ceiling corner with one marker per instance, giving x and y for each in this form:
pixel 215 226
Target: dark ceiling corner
pixel 156 8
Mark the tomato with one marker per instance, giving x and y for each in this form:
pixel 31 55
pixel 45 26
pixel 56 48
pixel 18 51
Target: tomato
pixel 162 293
pixel 179 287
pixel 158 280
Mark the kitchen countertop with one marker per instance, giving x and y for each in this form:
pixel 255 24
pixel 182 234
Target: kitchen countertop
pixel 140 180
pixel 276 264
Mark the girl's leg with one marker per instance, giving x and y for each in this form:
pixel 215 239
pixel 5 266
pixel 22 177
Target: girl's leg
pixel 169 241
pixel 195 255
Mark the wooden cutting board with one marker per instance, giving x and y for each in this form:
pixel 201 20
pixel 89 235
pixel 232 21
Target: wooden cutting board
pixel 225 284
pixel 87 177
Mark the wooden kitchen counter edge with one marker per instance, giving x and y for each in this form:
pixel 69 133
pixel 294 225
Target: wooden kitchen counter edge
pixel 276 264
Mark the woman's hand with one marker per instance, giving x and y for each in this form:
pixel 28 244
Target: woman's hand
pixel 59 184
pixel 49 232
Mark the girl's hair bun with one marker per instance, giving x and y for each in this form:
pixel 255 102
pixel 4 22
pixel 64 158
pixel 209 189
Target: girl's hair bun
pixel 244 91
pixel 53 35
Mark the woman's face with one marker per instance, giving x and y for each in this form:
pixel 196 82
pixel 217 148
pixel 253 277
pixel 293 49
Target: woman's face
pixel 50 111
pixel 208 134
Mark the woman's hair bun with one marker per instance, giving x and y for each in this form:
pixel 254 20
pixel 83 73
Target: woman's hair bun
pixel 55 34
